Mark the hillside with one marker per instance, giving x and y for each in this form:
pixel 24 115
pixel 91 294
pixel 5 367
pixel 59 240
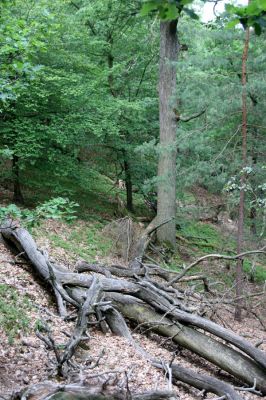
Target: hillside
pixel 26 304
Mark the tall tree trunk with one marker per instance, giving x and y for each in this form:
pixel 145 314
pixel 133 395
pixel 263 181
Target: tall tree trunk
pixel 254 155
pixel 17 196
pixel 128 182
pixel 239 267
pixel 168 124
pixel 252 216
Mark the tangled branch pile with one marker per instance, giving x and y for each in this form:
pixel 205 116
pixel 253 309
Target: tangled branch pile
pixel 144 295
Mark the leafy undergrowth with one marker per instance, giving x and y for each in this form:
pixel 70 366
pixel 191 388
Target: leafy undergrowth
pixel 95 193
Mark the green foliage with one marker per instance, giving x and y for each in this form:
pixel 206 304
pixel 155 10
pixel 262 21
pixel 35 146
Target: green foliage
pixel 80 99
pixel 20 38
pixel 168 9
pixel 254 14
pixel 256 273
pixel 14 212
pixel 254 187
pixel 13 312
pixel 56 208
pixel 39 325
pixel 204 236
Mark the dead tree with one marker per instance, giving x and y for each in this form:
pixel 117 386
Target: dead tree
pixel 156 304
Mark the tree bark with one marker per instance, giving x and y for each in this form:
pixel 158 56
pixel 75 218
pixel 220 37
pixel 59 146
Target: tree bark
pixel 241 213
pixel 254 156
pixel 166 208
pixel 18 196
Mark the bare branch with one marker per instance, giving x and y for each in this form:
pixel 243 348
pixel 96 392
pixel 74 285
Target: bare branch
pixel 215 256
pixel 188 118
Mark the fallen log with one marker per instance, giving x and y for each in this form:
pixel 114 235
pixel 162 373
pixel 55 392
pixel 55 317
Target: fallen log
pixel 216 352
pixel 53 391
pixel 145 302
pixel 203 382
pixel 186 317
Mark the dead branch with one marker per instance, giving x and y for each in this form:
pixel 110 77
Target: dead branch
pixel 144 301
pixel 145 240
pixel 215 256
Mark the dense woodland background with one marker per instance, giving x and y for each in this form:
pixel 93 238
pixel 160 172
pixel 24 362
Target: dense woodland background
pixel 80 140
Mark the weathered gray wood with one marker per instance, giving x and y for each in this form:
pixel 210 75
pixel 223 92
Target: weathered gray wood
pixel 145 303
pixel 86 309
pixel 53 391
pixel 216 352
pixel 162 303
pixel 203 382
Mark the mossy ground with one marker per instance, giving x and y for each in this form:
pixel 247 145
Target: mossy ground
pixel 86 242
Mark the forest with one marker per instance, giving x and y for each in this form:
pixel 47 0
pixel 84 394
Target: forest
pixel 132 199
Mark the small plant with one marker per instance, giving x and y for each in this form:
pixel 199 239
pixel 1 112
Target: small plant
pixel 14 212
pixel 39 326
pixel 255 273
pixel 56 208
pixel 13 316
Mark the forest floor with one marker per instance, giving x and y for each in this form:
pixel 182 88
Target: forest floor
pixel 26 304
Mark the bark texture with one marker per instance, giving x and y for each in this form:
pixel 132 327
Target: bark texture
pixel 166 205
pixel 241 212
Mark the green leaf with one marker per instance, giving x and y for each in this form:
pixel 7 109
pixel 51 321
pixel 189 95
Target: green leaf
pixel 148 7
pixel 185 2
pixel 261 4
pixel 252 9
pixel 171 12
pixel 232 23
pixel 230 8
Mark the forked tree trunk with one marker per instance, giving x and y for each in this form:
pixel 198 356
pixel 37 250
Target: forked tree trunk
pixel 241 214
pixel 166 207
